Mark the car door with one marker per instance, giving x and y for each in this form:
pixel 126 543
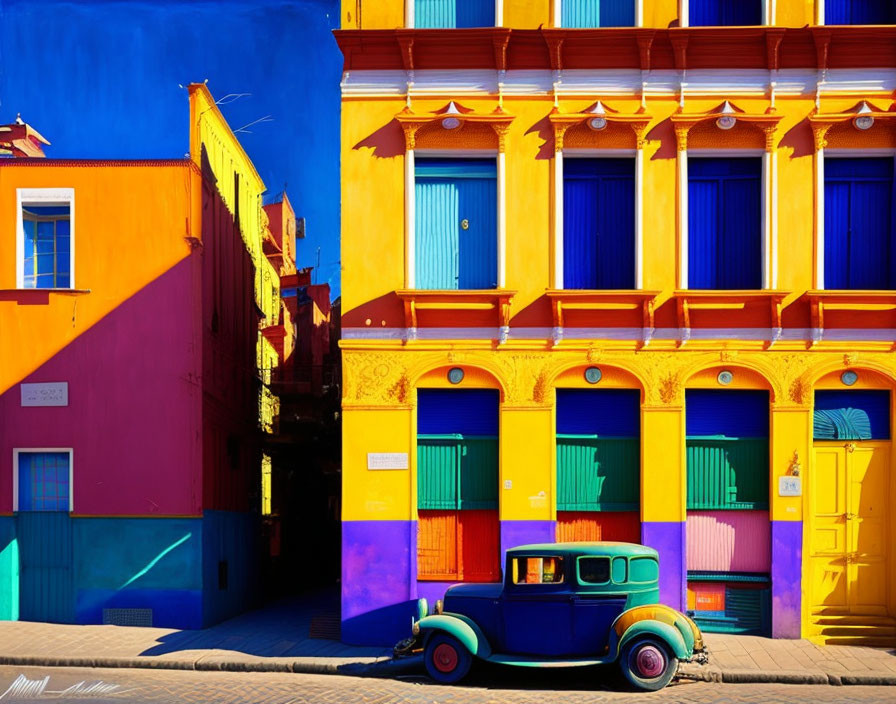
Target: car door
pixel 537 607
pixel 601 597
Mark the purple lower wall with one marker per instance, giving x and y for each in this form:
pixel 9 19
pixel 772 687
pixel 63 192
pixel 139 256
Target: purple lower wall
pixel 378 592
pixel 668 539
pixel 787 563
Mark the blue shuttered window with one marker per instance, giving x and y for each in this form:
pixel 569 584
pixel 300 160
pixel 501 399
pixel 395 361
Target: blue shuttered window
pixel 598 449
pixel 599 223
pixel 724 223
pixel 724 13
pixel 859 224
pixel 453 13
pixel 457 449
pixel 859 12
pixel 852 415
pixel 727 449
pixel 456 224
pixel 598 13
pixel 44 481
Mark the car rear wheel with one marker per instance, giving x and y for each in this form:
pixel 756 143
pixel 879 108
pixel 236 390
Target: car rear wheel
pixel 447 660
pixel 648 663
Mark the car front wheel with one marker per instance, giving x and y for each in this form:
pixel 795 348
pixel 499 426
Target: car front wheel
pixel 447 660
pixel 648 663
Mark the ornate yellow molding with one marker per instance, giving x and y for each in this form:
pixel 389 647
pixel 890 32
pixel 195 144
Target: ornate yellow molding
pixel 452 119
pixel 767 122
pixel 864 110
pixel 561 122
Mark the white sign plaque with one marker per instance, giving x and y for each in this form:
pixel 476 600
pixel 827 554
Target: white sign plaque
pixel 790 486
pixel 387 460
pixel 48 394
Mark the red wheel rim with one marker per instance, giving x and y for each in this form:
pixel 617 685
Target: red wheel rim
pixel 444 657
pixel 650 662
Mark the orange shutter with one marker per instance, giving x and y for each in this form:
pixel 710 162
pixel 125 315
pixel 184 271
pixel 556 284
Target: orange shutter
pixel 437 545
pixel 583 526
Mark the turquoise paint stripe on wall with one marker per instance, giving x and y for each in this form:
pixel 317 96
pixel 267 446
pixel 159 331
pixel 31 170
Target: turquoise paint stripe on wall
pixel 9 570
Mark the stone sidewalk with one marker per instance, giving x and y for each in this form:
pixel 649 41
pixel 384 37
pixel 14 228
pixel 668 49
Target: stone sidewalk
pixel 278 638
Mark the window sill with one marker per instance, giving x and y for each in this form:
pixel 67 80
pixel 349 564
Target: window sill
pixel 864 303
pixel 38 296
pixel 631 303
pixel 736 305
pixel 460 303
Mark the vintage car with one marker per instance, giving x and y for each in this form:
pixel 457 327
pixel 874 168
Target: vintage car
pixel 561 604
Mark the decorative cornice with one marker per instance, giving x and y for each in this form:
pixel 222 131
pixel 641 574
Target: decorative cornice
pixel 767 122
pixel 821 123
pixel 619 48
pixel 561 122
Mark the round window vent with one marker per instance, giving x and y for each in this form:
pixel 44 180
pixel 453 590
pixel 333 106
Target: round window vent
pixel 725 377
pixel 455 375
pixel 592 375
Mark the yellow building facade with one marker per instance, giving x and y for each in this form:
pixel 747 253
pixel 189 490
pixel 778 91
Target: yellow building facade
pixel 629 282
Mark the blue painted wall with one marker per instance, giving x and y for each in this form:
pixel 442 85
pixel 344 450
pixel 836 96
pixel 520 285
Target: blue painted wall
pixel 139 563
pixel 228 537
pixel 99 79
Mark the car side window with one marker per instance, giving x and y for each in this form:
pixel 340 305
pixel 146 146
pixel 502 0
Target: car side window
pixel 538 570
pixel 620 569
pixel 643 569
pixel 594 570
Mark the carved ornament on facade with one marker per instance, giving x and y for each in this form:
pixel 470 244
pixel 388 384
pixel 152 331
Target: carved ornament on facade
pixel 604 115
pixel 451 118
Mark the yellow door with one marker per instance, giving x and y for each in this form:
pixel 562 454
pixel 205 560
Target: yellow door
pixel 848 548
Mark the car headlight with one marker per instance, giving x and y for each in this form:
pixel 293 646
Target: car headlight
pixel 439 606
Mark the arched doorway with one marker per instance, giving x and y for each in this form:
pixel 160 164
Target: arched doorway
pixel 728 529
pixel 850 494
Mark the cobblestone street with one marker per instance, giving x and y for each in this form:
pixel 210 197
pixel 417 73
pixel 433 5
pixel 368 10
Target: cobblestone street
pixel 491 686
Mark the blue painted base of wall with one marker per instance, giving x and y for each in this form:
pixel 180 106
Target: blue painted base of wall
pixel 668 539
pixel 168 565
pixel 787 575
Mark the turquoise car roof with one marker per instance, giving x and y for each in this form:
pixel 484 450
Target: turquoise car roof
pixel 596 549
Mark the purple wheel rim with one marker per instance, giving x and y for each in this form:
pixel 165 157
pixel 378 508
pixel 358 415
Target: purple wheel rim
pixel 650 662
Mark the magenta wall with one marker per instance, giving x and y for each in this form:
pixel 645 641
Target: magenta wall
pixel 729 541
pixel 133 417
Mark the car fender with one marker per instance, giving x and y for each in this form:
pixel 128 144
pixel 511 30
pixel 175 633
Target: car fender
pixel 459 626
pixel 663 614
pixel 669 634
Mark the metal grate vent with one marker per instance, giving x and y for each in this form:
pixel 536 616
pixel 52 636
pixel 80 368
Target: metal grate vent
pixel 127 617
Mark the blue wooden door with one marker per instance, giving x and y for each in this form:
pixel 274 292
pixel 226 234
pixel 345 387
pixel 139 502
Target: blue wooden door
pixel 724 13
pixel 859 12
pixel 858 224
pixel 44 533
pixel 453 13
pixel 598 13
pixel 456 224
pixel 724 223
pixel 599 224
pixel 45 566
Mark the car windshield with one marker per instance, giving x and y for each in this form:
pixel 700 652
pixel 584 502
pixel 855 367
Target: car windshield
pixel 537 570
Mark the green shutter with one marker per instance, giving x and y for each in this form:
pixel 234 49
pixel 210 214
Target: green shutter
pixel 457 472
pixel 727 473
pixel 437 460
pixel 478 472
pixel 597 474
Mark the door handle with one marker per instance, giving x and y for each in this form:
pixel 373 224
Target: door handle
pixel 850 447
pixel 465 224
pixel 851 516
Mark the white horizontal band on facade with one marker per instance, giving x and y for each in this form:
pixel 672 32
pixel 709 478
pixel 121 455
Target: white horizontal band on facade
pixel 627 333
pixel 622 82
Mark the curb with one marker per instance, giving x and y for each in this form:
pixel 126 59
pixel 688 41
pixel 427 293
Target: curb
pixel 413 665
pixel 381 668
pixel 785 677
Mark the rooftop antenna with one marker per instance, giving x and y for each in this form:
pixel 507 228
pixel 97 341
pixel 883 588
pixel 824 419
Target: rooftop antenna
pixel 266 118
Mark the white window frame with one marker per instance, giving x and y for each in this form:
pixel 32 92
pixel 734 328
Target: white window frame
pixel 769 12
pixel 43 197
pixel 820 156
pixel 15 472
pixel 410 206
pixel 768 206
pixel 639 13
pixel 409 13
pixel 559 159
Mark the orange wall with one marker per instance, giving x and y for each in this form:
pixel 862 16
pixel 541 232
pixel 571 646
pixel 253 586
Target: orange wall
pixel 130 222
